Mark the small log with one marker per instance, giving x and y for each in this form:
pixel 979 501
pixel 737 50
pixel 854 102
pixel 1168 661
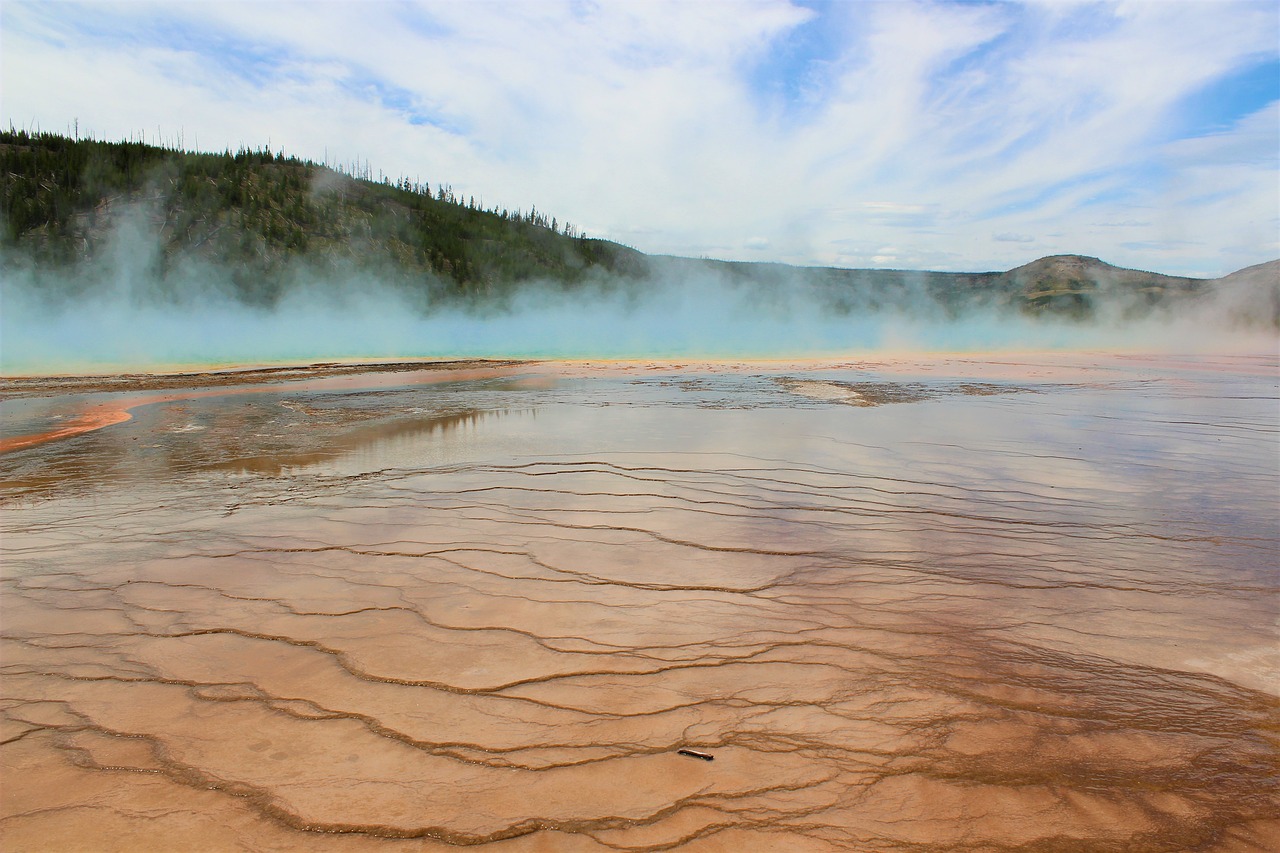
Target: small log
pixel 693 753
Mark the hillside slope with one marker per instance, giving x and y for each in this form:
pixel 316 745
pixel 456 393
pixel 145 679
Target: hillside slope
pixel 261 223
pixel 255 213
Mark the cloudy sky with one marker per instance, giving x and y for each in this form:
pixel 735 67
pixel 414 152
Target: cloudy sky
pixel 942 135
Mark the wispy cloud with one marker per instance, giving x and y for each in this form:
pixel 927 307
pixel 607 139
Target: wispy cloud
pixel 1145 133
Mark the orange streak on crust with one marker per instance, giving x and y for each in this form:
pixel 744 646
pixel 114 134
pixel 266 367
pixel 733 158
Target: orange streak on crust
pixel 87 422
pixel 120 411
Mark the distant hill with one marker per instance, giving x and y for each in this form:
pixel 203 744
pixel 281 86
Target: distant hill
pixel 1249 297
pixel 267 222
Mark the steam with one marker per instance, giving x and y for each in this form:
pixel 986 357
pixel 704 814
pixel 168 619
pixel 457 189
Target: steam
pixel 119 313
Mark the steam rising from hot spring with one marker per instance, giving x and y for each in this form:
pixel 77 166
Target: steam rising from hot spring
pixel 116 315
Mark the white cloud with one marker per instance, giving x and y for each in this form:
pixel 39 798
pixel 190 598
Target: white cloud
pixel 939 129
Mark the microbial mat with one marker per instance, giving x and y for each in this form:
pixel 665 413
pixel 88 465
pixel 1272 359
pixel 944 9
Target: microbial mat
pixel 969 603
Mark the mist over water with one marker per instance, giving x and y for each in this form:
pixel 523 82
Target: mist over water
pixel 118 313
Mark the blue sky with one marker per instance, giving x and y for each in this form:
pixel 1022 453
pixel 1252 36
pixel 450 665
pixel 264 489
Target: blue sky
pixel 939 135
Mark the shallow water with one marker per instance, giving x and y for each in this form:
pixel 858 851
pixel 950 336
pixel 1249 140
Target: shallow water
pixel 962 604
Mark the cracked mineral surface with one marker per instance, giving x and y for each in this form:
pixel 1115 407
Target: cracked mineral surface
pixel 958 604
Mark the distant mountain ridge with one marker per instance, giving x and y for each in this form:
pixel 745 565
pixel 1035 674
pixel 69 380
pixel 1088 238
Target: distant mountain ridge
pixel 263 223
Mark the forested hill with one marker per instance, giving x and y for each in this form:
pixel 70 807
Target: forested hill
pixel 256 212
pixel 259 223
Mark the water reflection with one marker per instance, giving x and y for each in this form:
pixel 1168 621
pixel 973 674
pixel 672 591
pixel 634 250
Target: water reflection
pixel 494 612
pixel 268 434
pixel 379 445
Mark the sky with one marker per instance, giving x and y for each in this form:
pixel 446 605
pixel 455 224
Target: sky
pixel 911 135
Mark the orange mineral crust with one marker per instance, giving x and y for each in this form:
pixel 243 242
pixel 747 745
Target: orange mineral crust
pixel 120 408
pixel 86 422
pixel 943 605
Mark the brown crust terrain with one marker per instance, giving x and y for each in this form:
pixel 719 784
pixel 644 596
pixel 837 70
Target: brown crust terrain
pixel 44 386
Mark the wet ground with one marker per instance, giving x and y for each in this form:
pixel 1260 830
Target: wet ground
pixel 959 604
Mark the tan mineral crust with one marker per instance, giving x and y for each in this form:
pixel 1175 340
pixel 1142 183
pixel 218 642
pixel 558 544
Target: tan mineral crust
pixel 947 603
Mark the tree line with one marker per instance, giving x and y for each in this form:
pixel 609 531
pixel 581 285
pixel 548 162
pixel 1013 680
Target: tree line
pixel 258 210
